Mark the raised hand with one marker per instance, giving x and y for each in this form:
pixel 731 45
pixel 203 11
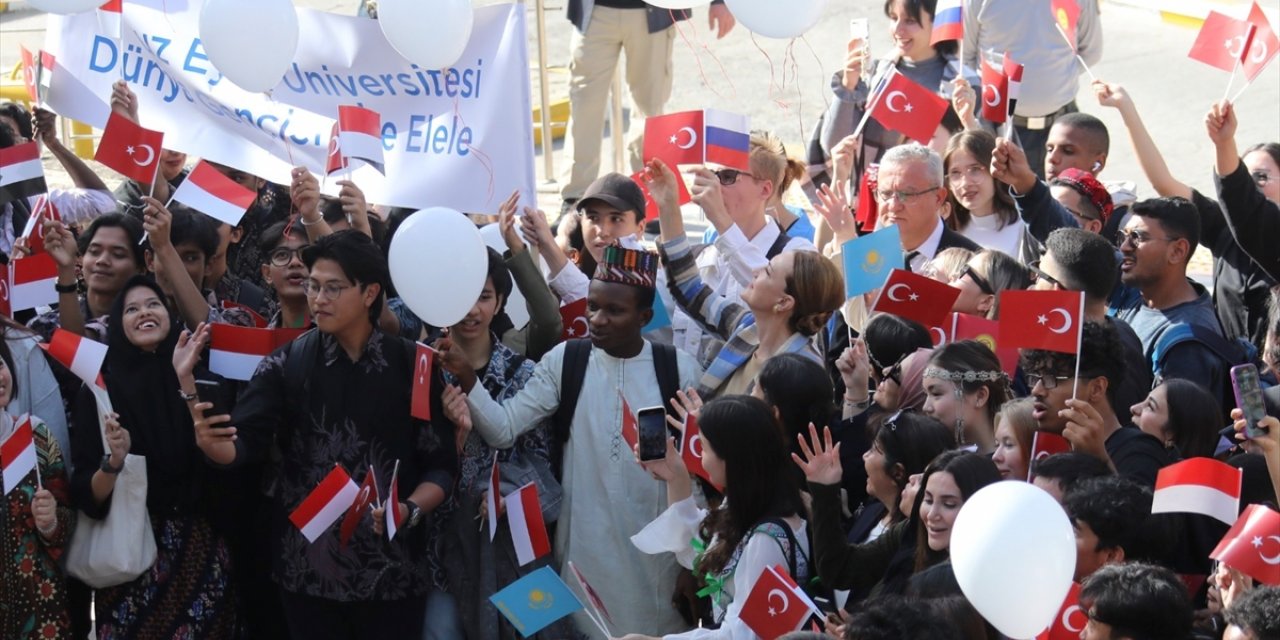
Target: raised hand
pixel 1009 164
pixel 964 100
pixel 1111 95
pixel 124 101
pixel 854 366
pixel 685 402
pixel 1084 428
pixel 457 411
pixel 844 157
pixel 305 194
pixel 507 223
pixel 720 20
pixel 854 60
pixel 1221 122
pixel 118 441
pixel 706 193
pixel 187 352
pixel 833 206
pixel 44 126
pixel 156 221
pixel 821 461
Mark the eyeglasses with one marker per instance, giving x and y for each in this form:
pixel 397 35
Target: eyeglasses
pixel 1261 178
pixel 729 177
pixel 1047 381
pixel 282 256
pixel 901 196
pixel 982 282
pixel 1037 274
pixel 1079 215
pixel 894 372
pixel 331 290
pixel 1139 238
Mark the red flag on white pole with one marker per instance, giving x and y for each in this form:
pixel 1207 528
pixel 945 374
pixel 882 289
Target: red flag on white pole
pixel 208 191
pixel 235 352
pixel 130 149
pixel 325 504
pixel 420 406
pixel 776 606
pixel 360 135
pixel 630 428
pixel 80 355
pixel 31 282
pixel 1199 485
pixel 528 531
pixel 391 509
pixel 18 455
pixel 1252 545
pixel 691 448
pixel 364 501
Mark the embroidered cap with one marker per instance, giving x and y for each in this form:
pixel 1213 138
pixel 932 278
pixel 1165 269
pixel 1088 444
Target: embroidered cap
pixel 636 267
pixel 1086 185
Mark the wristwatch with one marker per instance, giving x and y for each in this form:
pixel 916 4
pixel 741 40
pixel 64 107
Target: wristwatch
pixel 415 514
pixel 66 288
pixel 106 467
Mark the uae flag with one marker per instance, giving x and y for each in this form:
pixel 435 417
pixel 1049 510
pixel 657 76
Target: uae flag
pixel 325 504
pixel 1199 485
pixel 31 282
pixel 234 352
pixel 528 531
pixel 360 135
pixel 18 455
pixel 208 191
pixel 21 174
pixel 78 354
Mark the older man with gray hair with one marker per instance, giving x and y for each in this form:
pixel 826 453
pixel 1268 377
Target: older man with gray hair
pixel 911 194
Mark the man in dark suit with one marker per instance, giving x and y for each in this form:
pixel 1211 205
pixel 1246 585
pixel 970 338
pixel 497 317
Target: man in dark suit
pixel 911 194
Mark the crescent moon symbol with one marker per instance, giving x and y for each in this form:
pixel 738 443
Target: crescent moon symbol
pixel 695 446
pixel 422 368
pixel 333 146
pixel 1066 321
pixel 1259 50
pixel 786 603
pixel 693 137
pixel 940 336
pixel 1042 455
pixel 586 329
pixel 995 91
pixel 1234 49
pixel 888 100
pixel 895 288
pixel 1066 618
pixel 151 155
pixel 1270 559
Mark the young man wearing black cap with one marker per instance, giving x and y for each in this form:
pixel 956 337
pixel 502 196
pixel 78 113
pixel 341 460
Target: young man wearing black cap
pixel 607 496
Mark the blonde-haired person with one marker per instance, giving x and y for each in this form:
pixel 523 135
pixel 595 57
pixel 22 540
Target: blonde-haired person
pixel 774 161
pixel 948 265
pixel 1015 434
pixel 980 282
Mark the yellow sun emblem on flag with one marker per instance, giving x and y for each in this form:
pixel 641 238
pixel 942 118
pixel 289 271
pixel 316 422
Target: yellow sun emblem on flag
pixel 873 263
pixel 539 599
pixel 987 340
pixel 1063 19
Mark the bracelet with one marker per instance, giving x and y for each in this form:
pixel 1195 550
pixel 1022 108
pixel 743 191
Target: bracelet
pixel 74 287
pixel 48 535
pixel 188 397
pixel 858 404
pixel 303 219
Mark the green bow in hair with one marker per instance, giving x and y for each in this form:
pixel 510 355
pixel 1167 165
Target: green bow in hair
pixel 714 584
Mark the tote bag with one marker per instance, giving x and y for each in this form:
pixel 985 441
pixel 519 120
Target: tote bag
pixel 120 547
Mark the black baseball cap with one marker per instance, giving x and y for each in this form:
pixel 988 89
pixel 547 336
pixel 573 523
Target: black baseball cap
pixel 617 191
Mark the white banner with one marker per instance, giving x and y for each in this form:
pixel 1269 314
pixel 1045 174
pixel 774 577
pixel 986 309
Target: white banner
pixel 459 137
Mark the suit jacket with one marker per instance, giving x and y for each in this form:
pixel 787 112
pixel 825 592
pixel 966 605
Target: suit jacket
pixel 954 239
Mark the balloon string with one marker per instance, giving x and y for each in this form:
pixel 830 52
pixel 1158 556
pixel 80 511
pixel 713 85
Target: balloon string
pixel 697 58
pixel 481 156
pixel 774 88
pixel 826 102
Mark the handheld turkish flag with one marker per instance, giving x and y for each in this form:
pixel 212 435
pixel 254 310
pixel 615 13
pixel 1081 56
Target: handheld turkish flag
pixel 776 606
pixel 21 172
pixel 651 207
pixel 335 160
pixel 365 499
pixel 360 135
pixel 995 93
pixel 43 209
pixel 78 354
pixel 421 405
pixel 325 504
pixel 1223 41
pixel 593 598
pixel 17 455
pixel 867 207
pixel 29 74
pixel 131 150
pixel 909 108
pixel 970 327
pixel 574 319
pixel 1252 545
pixel 391 509
pixel 1013 76
pixel 1265 44
pixel 1071 618
pixel 1043 445
pixel 491 500
pixel 691 448
pixel 914 296
pixel 208 191
pixel 1049 320
pixel 630 428
pixel 528 531
pixel 1199 485
pixel 675 138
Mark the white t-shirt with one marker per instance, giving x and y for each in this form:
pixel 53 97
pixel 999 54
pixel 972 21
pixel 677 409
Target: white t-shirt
pixel 987 233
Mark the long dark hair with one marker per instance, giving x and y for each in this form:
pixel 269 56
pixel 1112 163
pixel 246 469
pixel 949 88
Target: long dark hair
pixel 980 145
pixel 971 471
pixel 742 432
pixel 916 8
pixel 963 356
pixel 799 389
pixel 1194 417
pixel 912 440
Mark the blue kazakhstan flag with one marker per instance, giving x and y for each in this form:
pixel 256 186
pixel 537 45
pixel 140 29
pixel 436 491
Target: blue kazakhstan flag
pixel 869 259
pixel 535 601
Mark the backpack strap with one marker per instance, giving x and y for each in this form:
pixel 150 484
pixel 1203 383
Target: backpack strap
pixel 779 244
pixel 667 370
pixel 1180 333
pixel 792 565
pixel 577 353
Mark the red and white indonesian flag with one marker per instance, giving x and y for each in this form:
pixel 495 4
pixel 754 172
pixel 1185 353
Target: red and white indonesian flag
pixel 21 174
pixel 528 531
pixel 234 352
pixel 360 135
pixel 18 455
pixel 208 191
pixel 79 354
pixel 31 281
pixel 325 504
pixel 1199 485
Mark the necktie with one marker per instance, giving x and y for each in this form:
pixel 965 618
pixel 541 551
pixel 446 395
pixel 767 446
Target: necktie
pixel 906 260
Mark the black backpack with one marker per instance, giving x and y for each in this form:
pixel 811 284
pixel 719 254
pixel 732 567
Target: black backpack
pixel 577 353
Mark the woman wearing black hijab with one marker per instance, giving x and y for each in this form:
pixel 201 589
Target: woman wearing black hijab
pixel 187 592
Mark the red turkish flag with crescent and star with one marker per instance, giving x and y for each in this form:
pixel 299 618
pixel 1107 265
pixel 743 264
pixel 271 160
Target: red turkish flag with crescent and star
pixel 674 138
pixel 914 296
pixel 1265 45
pixel 1252 545
pixel 1071 618
pixel 995 93
pixel 574 318
pixel 1043 445
pixel 130 149
pixel 776 606
pixel 909 108
pixel 421 406
pixel 1049 320
pixel 1222 41
pixel 691 449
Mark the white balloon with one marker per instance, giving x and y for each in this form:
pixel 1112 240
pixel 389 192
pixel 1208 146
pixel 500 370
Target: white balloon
pixel 250 42
pixel 678 4
pixel 66 7
pixel 775 18
pixel 516 307
pixel 432 34
pixel 438 264
pixel 1021 528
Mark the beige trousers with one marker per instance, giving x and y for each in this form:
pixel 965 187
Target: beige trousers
pixel 595 57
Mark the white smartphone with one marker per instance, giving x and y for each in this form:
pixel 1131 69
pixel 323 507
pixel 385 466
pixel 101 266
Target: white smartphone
pixel 858 28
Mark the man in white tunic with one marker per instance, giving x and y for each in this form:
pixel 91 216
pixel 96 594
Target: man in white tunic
pixel 608 496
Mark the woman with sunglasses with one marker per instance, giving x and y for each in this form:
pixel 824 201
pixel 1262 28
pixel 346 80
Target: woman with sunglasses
pixel 786 302
pixel 988 273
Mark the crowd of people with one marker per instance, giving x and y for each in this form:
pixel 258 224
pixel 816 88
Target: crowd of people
pixel 836 443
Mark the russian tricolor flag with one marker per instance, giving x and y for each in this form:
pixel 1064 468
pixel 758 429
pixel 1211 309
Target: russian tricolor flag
pixel 948 21
pixel 728 139
pixel 208 191
pixel 360 135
